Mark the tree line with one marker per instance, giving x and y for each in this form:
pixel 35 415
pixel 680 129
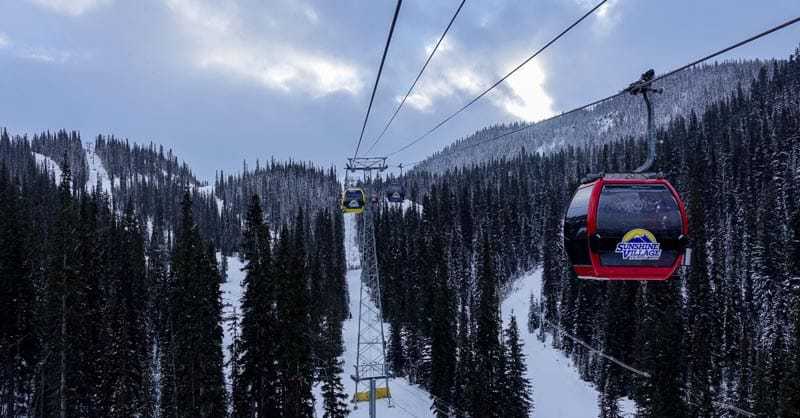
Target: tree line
pixel 442 302
pixel 726 333
pixel 294 303
pixel 103 318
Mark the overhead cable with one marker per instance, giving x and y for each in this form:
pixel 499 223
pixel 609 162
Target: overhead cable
pixel 501 80
pixel 378 77
pixel 419 75
pixel 660 77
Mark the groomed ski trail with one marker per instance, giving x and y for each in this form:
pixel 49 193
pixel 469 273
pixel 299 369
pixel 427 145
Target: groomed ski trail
pixel 407 400
pixel 558 390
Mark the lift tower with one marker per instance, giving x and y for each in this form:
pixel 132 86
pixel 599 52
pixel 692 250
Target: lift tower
pixel 370 367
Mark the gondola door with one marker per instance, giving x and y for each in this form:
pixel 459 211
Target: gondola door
pixel 637 230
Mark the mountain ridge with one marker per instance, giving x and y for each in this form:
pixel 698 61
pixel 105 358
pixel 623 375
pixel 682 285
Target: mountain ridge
pixel 621 117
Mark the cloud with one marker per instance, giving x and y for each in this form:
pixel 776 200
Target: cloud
pixel 42 55
pixel 296 70
pixel 522 95
pixel 606 17
pixel 203 17
pixel 311 14
pixel 441 81
pixel 602 12
pixel 439 85
pixel 70 7
pixel 221 42
pixel 418 101
pixel 57 57
pixel 445 46
pixel 525 96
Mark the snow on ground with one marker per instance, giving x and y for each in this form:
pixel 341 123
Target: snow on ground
pixel 407 400
pixel 605 123
pixel 97 171
pixel 545 148
pixel 209 190
pixel 231 301
pixel 558 390
pixel 47 164
pixel 406 204
pixel 351 250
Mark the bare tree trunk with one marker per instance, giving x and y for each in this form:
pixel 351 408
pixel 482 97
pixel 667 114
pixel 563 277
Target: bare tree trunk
pixel 172 360
pixel 63 383
pixel 194 401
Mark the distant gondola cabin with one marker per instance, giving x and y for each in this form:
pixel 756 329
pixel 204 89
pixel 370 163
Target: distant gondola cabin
pixel 353 200
pixel 395 193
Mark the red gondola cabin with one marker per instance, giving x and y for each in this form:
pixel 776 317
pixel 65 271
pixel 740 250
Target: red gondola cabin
pixel 626 227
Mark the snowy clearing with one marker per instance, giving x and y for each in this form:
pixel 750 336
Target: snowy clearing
pixel 558 390
pixel 97 171
pixel 407 400
pixel 406 204
pixel 209 190
pixel 232 291
pixel 351 249
pixel 48 165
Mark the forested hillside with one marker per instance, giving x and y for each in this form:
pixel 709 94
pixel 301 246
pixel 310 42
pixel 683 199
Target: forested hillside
pixel 112 304
pixel 284 187
pixel 727 333
pixel 152 180
pixel 112 261
pixel 636 255
pixel 621 117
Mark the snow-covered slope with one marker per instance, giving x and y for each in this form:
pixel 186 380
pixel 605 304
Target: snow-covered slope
pixel 407 400
pixel 231 300
pixel 558 389
pixel 47 164
pixel 406 204
pixel 97 172
pixel 622 117
pixel 352 252
pixel 209 190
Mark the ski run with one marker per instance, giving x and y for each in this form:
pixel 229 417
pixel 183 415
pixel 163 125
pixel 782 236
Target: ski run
pixel 557 388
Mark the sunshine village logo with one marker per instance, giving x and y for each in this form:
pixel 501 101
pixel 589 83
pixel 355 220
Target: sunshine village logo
pixel 639 244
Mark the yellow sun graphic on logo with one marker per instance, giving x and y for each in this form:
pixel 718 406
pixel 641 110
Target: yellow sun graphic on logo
pixel 638 232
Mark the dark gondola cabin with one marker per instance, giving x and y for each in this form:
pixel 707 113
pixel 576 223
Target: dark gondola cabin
pixel 625 227
pixel 353 200
pixel 395 193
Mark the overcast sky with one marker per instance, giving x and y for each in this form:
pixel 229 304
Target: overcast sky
pixel 221 81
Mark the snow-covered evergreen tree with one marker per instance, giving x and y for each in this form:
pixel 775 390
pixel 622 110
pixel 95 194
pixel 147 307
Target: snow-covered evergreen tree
pixel 518 396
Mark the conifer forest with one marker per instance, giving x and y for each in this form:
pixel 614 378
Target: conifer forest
pixel 481 281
